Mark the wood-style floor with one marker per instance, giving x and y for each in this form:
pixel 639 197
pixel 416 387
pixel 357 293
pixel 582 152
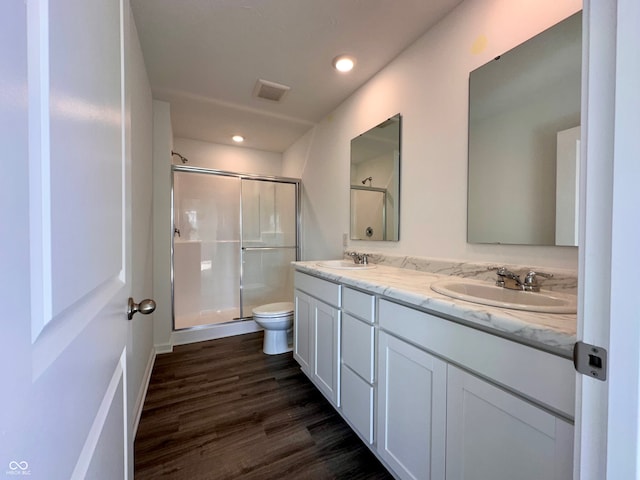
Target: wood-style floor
pixel 224 410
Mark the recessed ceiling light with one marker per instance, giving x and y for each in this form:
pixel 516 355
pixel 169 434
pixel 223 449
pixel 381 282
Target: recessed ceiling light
pixel 344 63
pixel 238 138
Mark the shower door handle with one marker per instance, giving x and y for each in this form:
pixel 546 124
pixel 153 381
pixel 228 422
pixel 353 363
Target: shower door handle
pixel 145 307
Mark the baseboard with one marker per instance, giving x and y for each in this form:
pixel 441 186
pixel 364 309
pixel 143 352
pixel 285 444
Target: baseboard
pixel 142 394
pixel 212 332
pixel 164 348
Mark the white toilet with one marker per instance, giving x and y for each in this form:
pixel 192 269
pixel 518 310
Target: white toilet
pixel 276 319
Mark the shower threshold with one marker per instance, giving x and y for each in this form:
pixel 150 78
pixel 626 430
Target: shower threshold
pixel 209 317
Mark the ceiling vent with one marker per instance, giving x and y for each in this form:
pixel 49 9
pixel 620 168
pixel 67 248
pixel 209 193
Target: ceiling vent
pixel 270 90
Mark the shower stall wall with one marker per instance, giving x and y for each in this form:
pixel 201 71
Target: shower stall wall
pixel 234 239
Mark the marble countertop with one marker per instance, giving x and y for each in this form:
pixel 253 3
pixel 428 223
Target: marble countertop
pixel 554 333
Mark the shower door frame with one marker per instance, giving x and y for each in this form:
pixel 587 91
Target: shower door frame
pixel 247 176
pixel 383 191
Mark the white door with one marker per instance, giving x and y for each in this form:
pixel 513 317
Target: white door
pixel 65 239
pixel 608 413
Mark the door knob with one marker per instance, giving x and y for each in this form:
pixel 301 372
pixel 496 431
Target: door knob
pixel 145 307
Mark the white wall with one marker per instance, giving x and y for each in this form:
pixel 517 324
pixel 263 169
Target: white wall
pixel 428 85
pixel 228 158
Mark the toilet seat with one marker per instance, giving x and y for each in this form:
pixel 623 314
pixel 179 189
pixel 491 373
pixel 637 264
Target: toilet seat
pixel 273 309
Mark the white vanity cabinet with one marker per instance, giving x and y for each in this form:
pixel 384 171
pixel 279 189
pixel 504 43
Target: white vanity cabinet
pixel 358 361
pixel 412 410
pixel 432 397
pixel 425 400
pixel 317 332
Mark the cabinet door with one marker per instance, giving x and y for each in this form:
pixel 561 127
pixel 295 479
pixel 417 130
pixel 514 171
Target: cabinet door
pixel 492 434
pixel 302 330
pixel 411 410
pixel 356 397
pixel 326 351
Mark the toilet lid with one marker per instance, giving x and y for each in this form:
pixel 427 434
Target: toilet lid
pixel 273 309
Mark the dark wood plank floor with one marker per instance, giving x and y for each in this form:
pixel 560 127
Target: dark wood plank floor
pixel 224 410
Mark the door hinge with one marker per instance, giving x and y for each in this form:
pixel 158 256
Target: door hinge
pixel 590 360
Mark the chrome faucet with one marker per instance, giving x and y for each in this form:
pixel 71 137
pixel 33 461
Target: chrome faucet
pixel 359 258
pixel 510 280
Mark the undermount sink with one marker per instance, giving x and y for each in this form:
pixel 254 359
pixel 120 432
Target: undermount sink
pixel 345 265
pixel 485 293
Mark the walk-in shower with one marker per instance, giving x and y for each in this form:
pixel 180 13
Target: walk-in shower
pixel 234 238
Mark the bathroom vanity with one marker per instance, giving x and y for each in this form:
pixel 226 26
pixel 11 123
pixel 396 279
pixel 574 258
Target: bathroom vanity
pixel 438 388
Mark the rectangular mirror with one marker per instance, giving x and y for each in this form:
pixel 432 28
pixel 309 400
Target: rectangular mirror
pixel 375 182
pixel 524 134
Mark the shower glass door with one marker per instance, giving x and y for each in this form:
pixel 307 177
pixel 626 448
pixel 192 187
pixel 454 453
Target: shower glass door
pixel 269 242
pixel 234 240
pixel 206 249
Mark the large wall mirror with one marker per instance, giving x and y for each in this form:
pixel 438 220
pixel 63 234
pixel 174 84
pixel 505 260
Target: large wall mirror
pixel 375 182
pixel 524 136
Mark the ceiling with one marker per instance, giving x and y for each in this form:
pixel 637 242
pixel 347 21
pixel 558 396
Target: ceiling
pixel 204 57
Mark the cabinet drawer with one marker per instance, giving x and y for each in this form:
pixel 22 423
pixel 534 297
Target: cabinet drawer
pixel 357 346
pixel 359 304
pixel 357 403
pixel 328 292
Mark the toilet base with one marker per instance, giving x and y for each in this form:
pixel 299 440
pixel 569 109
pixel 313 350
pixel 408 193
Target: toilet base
pixel 276 342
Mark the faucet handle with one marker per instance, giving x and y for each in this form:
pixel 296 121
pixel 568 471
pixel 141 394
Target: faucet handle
pixel 359 258
pixel 355 256
pixel 508 279
pixel 531 279
pixel 502 272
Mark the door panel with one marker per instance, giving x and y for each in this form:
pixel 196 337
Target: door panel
pixel 206 249
pixel 269 242
pixel 85 149
pixel 326 337
pixel 108 461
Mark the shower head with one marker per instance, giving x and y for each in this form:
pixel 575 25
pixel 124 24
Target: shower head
pixel 368 179
pixel 184 159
